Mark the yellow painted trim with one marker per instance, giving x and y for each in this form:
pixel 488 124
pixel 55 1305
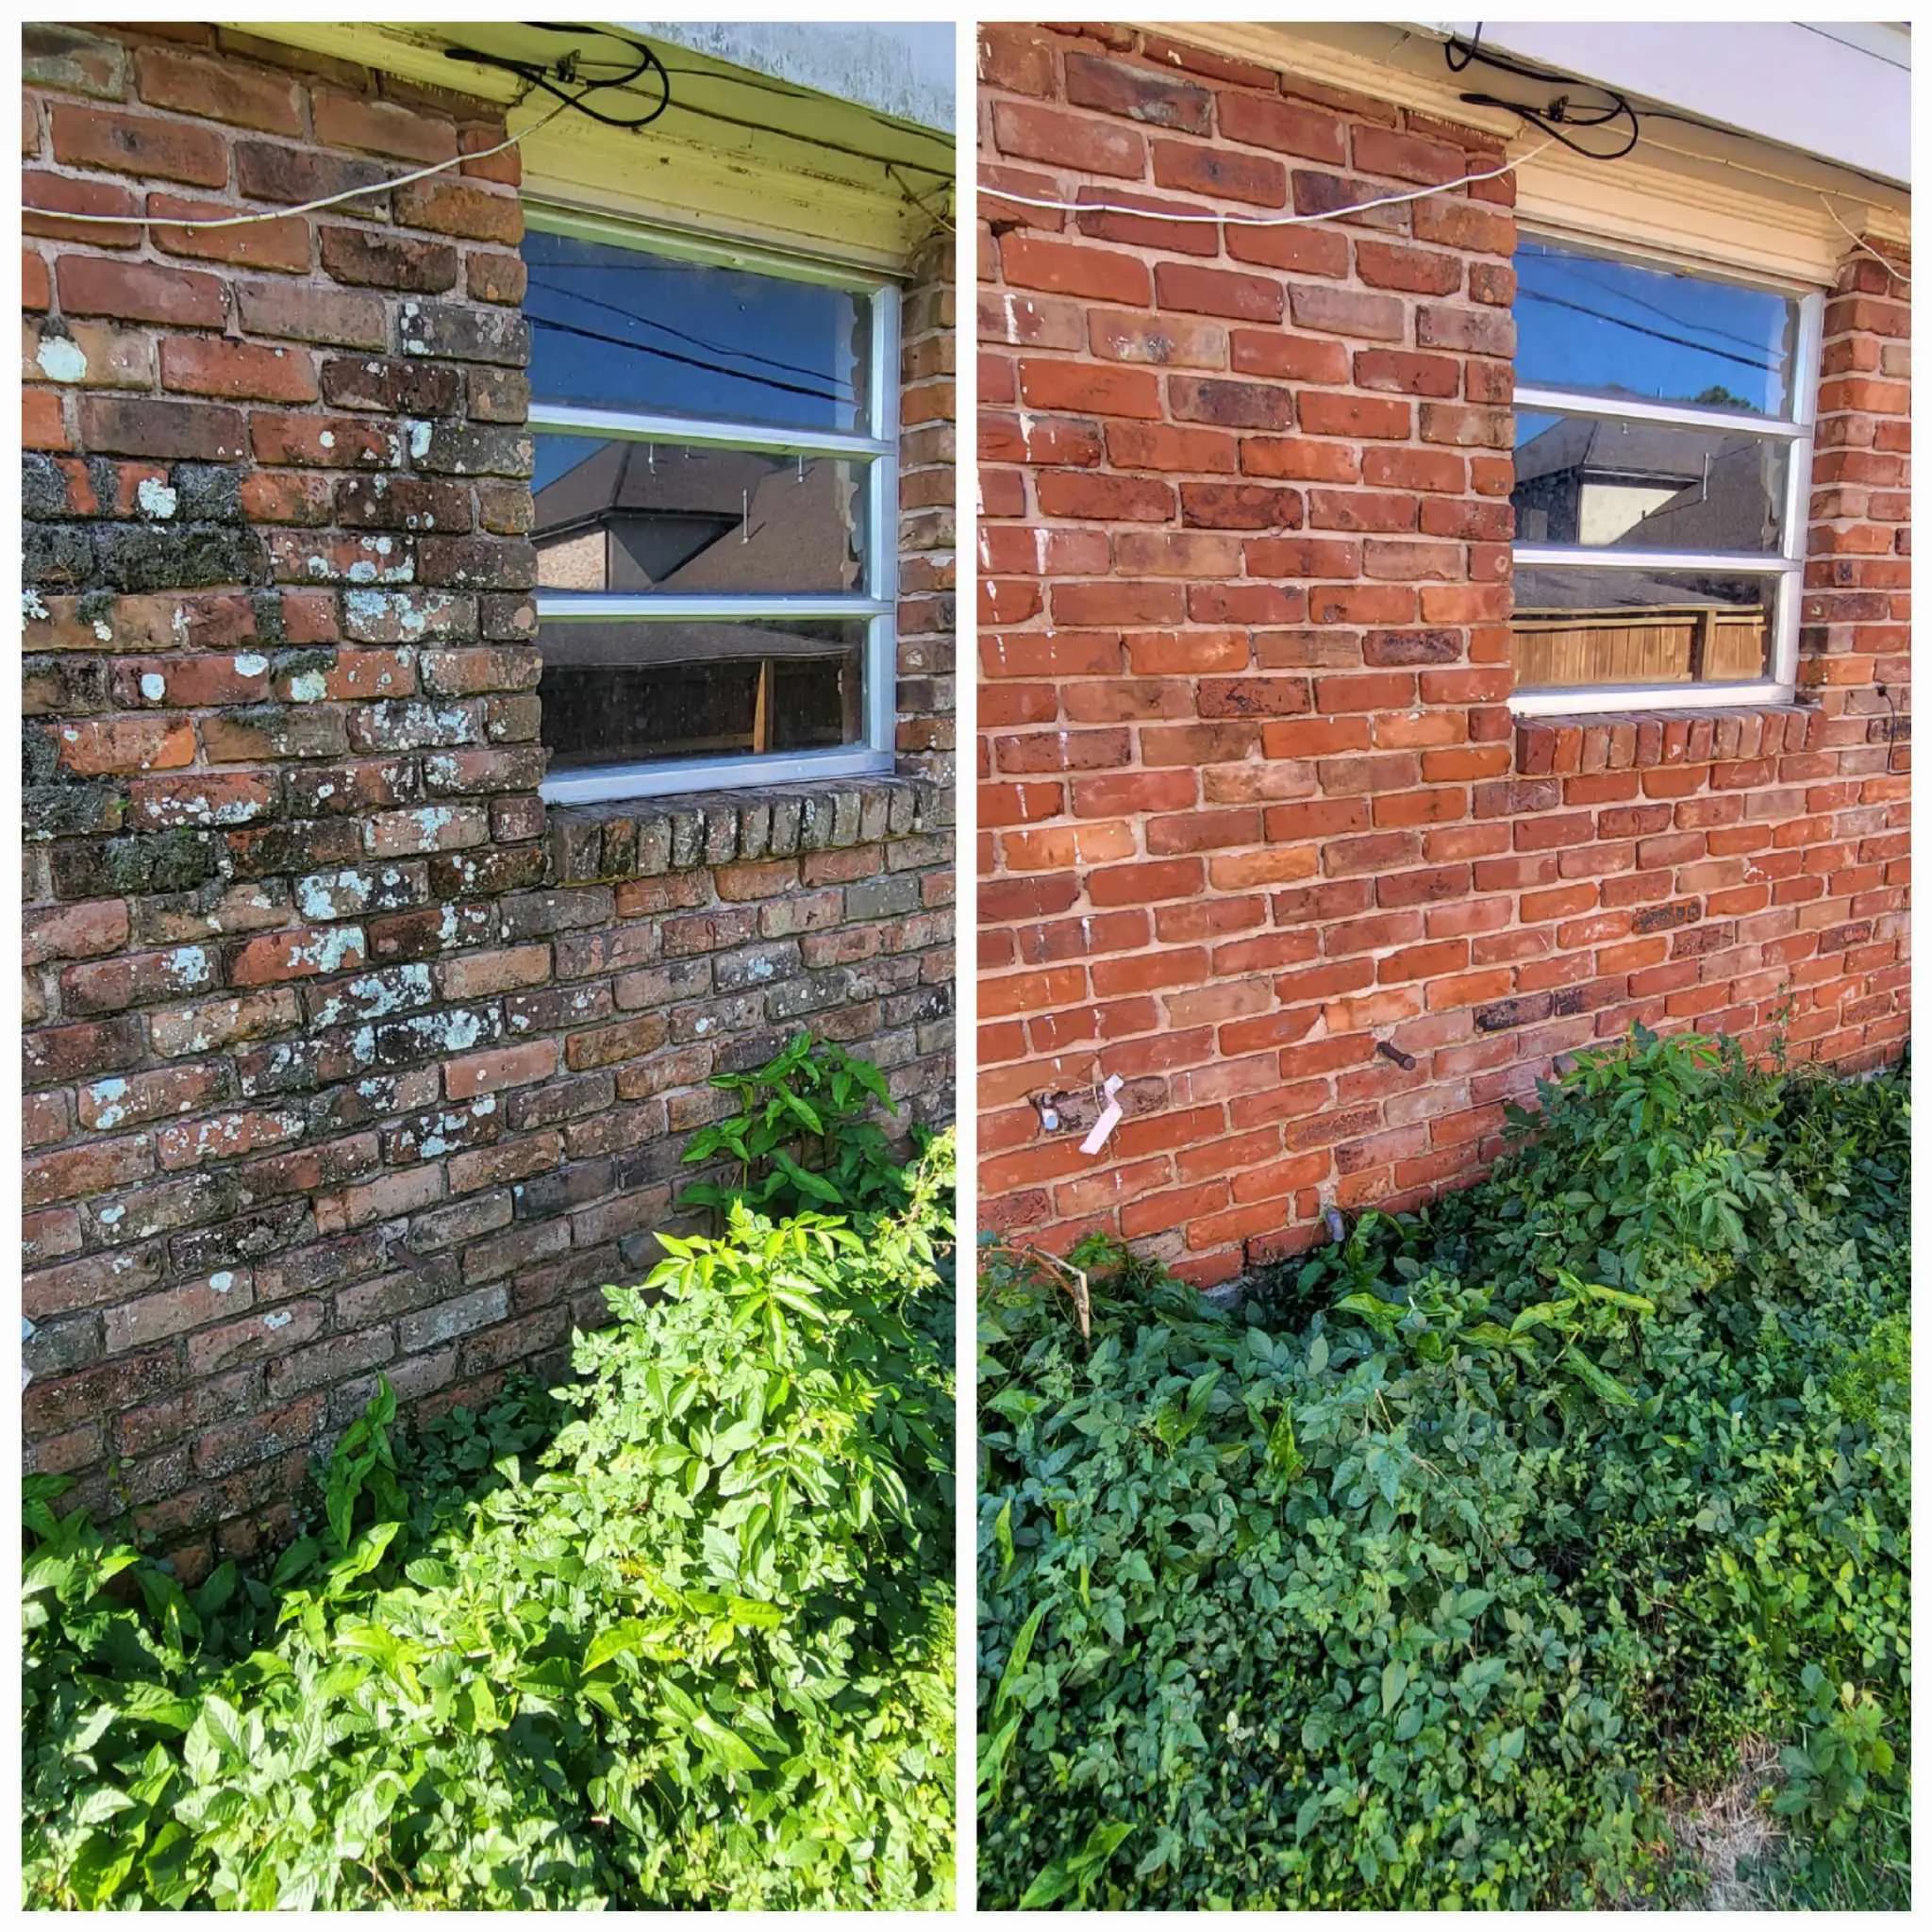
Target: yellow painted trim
pixel 1687 191
pixel 753 184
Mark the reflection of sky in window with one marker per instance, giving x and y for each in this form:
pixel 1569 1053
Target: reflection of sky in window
pixel 1587 323
pixel 618 328
pixel 558 456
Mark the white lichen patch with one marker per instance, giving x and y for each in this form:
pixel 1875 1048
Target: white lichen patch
pixel 308 688
pixel 154 687
pixel 32 607
pixel 187 966
pixel 156 498
pixel 329 952
pixel 107 1096
pixel 62 360
pixel 250 664
pixel 375 994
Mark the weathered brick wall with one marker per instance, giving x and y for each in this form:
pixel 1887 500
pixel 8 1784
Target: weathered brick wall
pixel 343 1054
pixel 1254 805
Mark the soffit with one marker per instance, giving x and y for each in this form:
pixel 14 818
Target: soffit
pixel 1709 194
pixel 763 159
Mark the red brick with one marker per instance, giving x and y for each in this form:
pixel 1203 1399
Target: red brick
pixel 447 207
pixel 146 427
pixel 1065 141
pixel 382 128
pixel 138 291
pixel 1219 173
pixel 279 245
pixel 1412 271
pixel 43 420
pixel 1217 292
pixel 78 195
pixel 202 366
pixel 1037 261
pixel 143 147
pixel 1285 127
pixel 1132 93
pixel 1356 416
pixel 218 91
pixel 366 259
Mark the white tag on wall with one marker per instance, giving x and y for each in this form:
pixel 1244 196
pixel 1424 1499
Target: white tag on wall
pixel 1109 1118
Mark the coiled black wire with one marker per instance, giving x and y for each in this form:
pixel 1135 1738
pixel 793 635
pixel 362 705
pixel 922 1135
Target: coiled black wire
pixel 538 74
pixel 1558 114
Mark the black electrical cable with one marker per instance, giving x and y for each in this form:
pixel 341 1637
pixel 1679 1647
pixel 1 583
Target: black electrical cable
pixel 537 74
pixel 622 85
pixel 732 76
pixel 1560 112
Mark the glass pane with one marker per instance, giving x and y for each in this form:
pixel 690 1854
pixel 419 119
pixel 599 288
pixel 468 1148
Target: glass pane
pixel 1645 486
pixel 640 516
pixel 1632 627
pixel 1589 322
pixel 620 328
pixel 619 694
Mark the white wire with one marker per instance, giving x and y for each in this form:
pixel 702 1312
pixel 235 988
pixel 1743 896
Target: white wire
pixel 307 208
pixel 1332 214
pixel 1859 243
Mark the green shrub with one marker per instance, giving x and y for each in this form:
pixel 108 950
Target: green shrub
pixel 695 1652
pixel 803 1136
pixel 1425 1578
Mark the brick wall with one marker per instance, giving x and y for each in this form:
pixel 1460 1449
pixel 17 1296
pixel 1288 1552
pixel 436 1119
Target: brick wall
pixel 1259 835
pixel 343 1054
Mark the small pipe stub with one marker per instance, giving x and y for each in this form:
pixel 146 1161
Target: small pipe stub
pixel 1390 1051
pixel 1337 1228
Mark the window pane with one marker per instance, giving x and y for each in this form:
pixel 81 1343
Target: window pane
pixel 1632 627
pixel 1588 322
pixel 640 516
pixel 1645 486
pixel 621 329
pixel 618 693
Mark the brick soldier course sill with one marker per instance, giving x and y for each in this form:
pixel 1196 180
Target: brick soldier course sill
pixel 632 841
pixel 1639 741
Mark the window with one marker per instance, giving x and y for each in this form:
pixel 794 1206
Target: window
pixel 716 512
pixel 1663 461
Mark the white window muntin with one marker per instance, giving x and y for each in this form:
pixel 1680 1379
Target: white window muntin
pixel 877 604
pixel 1786 567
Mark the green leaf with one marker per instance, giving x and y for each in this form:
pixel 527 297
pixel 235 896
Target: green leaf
pixel 1606 1387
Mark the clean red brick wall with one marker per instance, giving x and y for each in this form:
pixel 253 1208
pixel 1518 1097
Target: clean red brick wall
pixel 343 1054
pixel 1253 806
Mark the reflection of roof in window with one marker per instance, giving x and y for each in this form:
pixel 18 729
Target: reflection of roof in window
pixel 699 519
pixel 1725 488
pixel 1653 450
pixel 1630 589
pixel 652 479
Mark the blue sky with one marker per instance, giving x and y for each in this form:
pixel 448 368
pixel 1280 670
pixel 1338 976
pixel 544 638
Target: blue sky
pixel 631 330
pixel 1585 321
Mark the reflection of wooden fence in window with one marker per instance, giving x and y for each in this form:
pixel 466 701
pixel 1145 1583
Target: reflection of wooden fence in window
pixel 1670 643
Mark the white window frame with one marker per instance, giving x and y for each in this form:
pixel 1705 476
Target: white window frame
pixel 877 451
pixel 1786 567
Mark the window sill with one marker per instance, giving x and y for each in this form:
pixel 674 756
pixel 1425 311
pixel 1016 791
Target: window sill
pixel 645 838
pixel 1641 741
